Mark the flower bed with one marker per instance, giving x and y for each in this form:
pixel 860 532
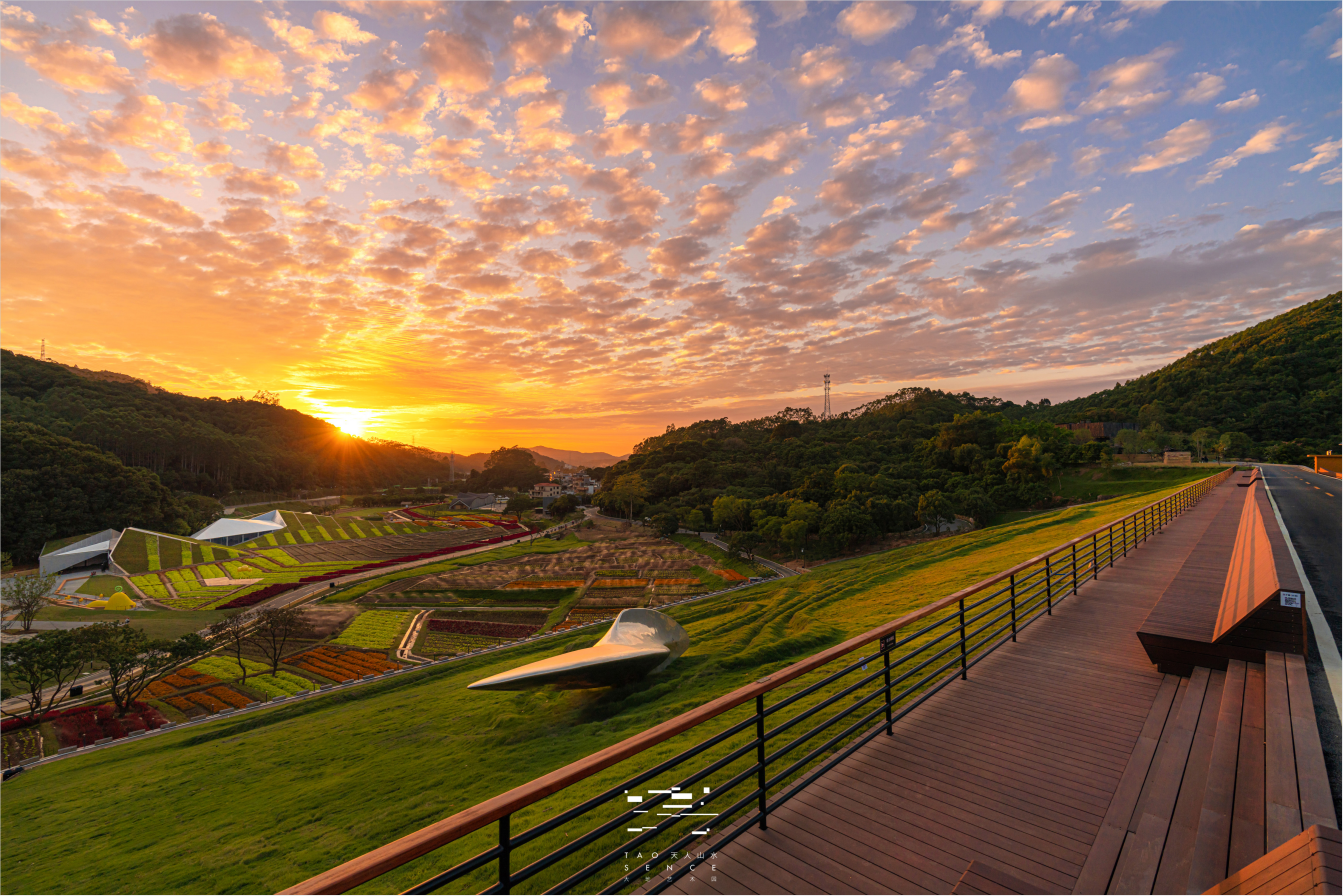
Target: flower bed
pixel 579 617
pixel 341 665
pixel 615 573
pixel 730 574
pixel 230 696
pixel 226 667
pixel 619 583
pixel 180 680
pixel 22 746
pixel 545 583
pixel 660 583
pixel 441 643
pixel 82 725
pixel 507 630
pixel 281 684
pixel 255 597
pixel 374 629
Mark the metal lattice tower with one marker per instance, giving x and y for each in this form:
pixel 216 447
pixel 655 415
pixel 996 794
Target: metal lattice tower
pixel 825 414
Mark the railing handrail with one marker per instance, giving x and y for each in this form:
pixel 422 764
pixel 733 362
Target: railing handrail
pixel 429 838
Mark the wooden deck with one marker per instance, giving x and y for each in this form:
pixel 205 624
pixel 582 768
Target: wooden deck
pixel 1046 762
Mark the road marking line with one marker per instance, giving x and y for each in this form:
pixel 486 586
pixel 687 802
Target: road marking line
pixel 1324 638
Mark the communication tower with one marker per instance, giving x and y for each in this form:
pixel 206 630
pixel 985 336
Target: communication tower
pixel 825 414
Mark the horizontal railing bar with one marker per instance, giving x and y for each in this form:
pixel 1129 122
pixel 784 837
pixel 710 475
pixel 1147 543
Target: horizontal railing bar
pixel 418 843
pixel 441 880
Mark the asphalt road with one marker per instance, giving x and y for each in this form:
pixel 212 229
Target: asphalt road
pixel 1312 507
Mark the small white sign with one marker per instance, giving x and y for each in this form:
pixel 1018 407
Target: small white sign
pixel 1290 598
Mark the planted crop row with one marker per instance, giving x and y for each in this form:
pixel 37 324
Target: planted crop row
pixel 439 643
pixel 374 629
pixel 507 630
pixel 280 684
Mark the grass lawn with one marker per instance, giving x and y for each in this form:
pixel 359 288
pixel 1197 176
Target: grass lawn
pixel 720 557
pixel 258 803
pixel 103 585
pixel 1089 483
pixel 170 624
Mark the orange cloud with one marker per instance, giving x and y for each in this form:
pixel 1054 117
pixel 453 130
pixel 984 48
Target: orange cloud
pixel 197 50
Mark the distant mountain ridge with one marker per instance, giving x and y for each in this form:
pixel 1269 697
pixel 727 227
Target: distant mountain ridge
pixel 578 458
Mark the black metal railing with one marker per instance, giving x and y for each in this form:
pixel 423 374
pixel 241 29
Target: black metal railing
pixel 757 760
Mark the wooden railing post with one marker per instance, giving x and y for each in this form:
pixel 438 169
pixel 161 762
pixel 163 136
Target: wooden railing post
pixel 505 854
pixel 1012 584
pixel 1110 545
pixel 886 654
pixel 1095 569
pixel 760 754
pixel 963 666
pixel 1074 569
pixel 1049 591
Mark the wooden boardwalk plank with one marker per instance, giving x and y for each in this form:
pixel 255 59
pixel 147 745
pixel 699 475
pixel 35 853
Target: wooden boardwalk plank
pixel 1208 864
pixel 1247 817
pixel 1173 874
pixel 1317 805
pixel 1282 806
pixel 1100 863
pixel 1136 870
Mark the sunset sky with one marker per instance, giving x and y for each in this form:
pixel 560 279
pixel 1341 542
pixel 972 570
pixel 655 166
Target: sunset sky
pixel 574 224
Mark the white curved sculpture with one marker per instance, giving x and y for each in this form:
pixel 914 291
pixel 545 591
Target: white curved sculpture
pixel 639 642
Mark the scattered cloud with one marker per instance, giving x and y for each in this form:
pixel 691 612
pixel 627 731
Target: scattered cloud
pixel 1180 144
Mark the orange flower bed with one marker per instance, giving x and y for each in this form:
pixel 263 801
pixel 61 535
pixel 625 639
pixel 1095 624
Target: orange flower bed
pixel 730 574
pixel 619 583
pixel 186 678
pixel 676 582
pixel 230 696
pixel 342 665
pixel 548 583
pixel 207 700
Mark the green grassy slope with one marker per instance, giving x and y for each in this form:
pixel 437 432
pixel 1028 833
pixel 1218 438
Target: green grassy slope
pixel 261 802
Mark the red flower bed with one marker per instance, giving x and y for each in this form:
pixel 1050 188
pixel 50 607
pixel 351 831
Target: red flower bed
pixel 82 725
pixel 256 597
pixel 510 630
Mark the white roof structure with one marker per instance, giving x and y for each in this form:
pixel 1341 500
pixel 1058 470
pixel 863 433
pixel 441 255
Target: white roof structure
pixel 242 529
pixel 91 548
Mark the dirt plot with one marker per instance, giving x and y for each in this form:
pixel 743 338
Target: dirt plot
pixel 326 621
pixel 493 614
pixel 387 546
pixel 621 602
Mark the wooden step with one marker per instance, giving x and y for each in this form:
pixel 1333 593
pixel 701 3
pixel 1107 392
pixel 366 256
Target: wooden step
pixel 1212 844
pixel 1308 863
pixel 1136 869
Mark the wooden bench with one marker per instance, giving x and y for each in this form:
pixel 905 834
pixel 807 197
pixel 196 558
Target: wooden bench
pixel 1236 596
pixel 1308 863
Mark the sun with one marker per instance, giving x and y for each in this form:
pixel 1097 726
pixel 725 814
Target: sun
pixel 351 421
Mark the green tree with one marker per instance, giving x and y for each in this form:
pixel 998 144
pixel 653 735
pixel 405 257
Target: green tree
pixel 25 595
pixel 520 504
pixel 232 633
pixel 46 662
pixel 1127 440
pixel 694 521
pixel 275 629
pixel 743 544
pixel 628 489
pixel 562 506
pixel 808 512
pixel 1235 444
pixel 975 504
pixel 133 660
pixel 1027 461
pixel 845 524
pixel 935 510
pixel 1202 440
pixel 666 524
pixel 794 535
pixel 731 514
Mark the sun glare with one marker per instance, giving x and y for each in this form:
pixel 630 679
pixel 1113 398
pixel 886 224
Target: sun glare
pixel 351 421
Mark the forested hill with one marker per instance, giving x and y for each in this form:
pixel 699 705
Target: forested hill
pixel 793 481
pixel 204 445
pixel 1277 381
